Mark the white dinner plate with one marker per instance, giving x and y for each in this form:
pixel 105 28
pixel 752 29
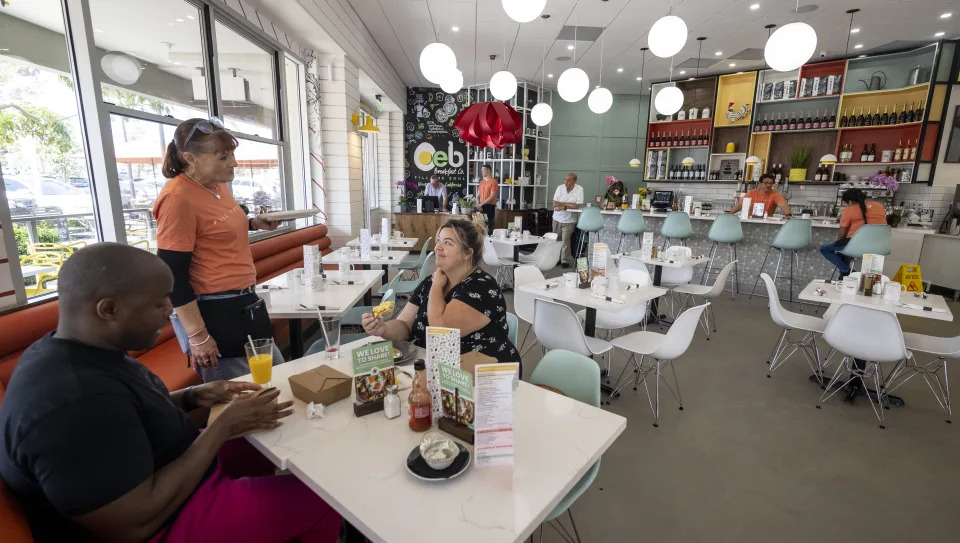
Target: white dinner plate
pixel 291 215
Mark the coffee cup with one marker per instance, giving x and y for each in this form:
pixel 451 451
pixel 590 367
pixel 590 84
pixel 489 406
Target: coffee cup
pixel 318 282
pixel 344 251
pixel 599 285
pixel 343 267
pixel 570 280
pixel 848 285
pixel 892 291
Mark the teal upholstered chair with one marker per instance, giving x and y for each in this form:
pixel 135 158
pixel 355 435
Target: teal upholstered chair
pixel 415 265
pixel 676 226
pixel 726 229
pixel 513 324
pixel 590 222
pixel 794 235
pixel 631 224
pixel 406 288
pixel 579 378
pixel 869 239
pixel 354 315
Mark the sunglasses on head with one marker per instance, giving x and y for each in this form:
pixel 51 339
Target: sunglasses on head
pixel 208 126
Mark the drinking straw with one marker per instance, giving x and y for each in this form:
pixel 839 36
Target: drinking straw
pixel 252 348
pixel 323 329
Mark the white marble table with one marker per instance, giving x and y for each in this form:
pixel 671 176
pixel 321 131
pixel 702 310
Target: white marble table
pixel 658 265
pixel 358 465
pixel 402 243
pixel 391 258
pixel 834 297
pixel 288 297
pixel 584 297
pixel 517 243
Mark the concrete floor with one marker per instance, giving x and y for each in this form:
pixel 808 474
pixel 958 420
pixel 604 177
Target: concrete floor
pixel 751 459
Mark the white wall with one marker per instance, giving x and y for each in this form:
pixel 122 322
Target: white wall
pixel 948 174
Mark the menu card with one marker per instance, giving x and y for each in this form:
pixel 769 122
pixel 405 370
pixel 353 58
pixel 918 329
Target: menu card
pixel 759 209
pixel 493 425
pixel 583 272
pixel 872 263
pixel 456 395
pixel 443 348
pixel 365 241
pixel 687 204
pixel 646 246
pixel 600 258
pixel 635 201
pixel 745 208
pixel 385 230
pixel 373 370
pixel 518 224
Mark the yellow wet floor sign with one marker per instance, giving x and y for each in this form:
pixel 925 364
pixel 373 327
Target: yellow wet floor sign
pixel 909 276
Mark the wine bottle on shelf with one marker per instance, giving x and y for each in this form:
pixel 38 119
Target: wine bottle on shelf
pixel 843 120
pixel 808 123
pixel 756 125
pixel 864 154
pixel 876 117
pixel 816 173
pixel 816 121
pixel 913 150
pixel 893 116
pixel 666 140
pixel 911 114
pixel 867 120
pixel 919 114
pixel 903 114
pixel 792 124
pixel 885 118
pixel 832 123
pixel 872 156
pixel 778 174
pixel 859 118
pixel 691 140
pixel 898 152
pixel 763 124
pixel 700 140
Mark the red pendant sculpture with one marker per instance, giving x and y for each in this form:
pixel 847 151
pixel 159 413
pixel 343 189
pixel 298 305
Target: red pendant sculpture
pixel 489 124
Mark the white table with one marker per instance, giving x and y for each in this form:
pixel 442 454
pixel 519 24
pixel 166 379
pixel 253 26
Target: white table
pixel 834 297
pixel 358 464
pixel 32 271
pixel 584 297
pixel 517 243
pixel 391 258
pixel 658 265
pixel 288 297
pixel 402 243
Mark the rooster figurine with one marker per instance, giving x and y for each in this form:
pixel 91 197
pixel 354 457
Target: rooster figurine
pixel 735 116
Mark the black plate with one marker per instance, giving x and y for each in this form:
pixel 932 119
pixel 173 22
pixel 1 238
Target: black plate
pixel 409 352
pixel 418 467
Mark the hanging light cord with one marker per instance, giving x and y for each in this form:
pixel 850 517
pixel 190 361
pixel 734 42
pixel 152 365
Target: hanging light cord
pixel 600 79
pixel 432 25
pixel 699 53
pixel 846 50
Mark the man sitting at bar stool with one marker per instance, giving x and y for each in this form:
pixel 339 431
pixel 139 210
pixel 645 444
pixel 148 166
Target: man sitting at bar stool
pixel 765 194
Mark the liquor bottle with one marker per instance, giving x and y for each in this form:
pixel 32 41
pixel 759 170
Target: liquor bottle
pixel 859 118
pixel 872 156
pixel 703 172
pixel 816 121
pixel 832 123
pixel 876 117
pixel 666 141
pixel 898 152
pixel 778 173
pixel 867 121
pixel 885 118
pixel 757 125
pixel 911 114
pixel 864 154
pixel 763 124
pixel 777 124
pixel 913 150
pixel 903 114
pixel 691 140
pixel 893 116
pixel 919 114
pixel 808 122
pixel 792 123
pixel 843 120
pixel 700 140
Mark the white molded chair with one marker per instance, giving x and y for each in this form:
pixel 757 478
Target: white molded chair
pixel 943 348
pixel 663 349
pixel 789 321
pixel 871 335
pixel 523 301
pixel 628 317
pixel 557 327
pixel 692 291
pixel 497 264
pixel 532 257
pixel 547 256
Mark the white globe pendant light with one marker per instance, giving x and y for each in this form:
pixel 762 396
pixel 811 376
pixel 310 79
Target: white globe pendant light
pixel 600 100
pixel 503 85
pixel 790 47
pixel 541 114
pixel 668 101
pixel 437 60
pixel 667 36
pixel 573 84
pixel 452 82
pixel 523 11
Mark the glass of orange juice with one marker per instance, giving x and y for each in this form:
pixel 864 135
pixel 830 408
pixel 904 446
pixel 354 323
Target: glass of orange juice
pixel 260 357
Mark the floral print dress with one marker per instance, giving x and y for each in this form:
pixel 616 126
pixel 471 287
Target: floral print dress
pixel 480 291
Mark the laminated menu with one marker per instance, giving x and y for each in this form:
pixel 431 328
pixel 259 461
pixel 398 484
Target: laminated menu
pixel 365 242
pixel 443 348
pixel 493 419
pixel 456 395
pixel 583 272
pixel 778 90
pixel 373 370
pixel 872 263
pixel 600 259
pixel 385 230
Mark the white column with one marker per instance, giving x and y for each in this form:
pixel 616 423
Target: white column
pixel 396 154
pixel 384 178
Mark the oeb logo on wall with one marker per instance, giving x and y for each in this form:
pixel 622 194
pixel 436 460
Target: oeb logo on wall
pixel 426 157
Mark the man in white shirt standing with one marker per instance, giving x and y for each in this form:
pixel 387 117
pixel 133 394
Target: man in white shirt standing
pixel 568 196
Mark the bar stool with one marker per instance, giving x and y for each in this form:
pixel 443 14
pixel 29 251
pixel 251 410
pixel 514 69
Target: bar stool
pixel 676 226
pixel 726 228
pixel 631 224
pixel 876 239
pixel 794 235
pixel 590 222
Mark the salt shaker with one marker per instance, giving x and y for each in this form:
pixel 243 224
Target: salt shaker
pixel 391 402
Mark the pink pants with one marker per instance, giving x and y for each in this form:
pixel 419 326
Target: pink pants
pixel 244 501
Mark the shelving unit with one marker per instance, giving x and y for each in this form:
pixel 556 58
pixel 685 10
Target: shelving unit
pixel 509 162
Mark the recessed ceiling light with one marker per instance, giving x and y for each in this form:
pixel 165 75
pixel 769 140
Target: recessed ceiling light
pixel 176 63
pixel 861 56
pixel 456 29
pixel 191 17
pixel 169 24
pixel 98 30
pixel 938 34
pixel 755 6
pixel 682 72
pixel 619 70
pixel 946 15
pixel 570 48
pixel 854 30
pixel 179 20
pixel 690 79
pixel 733 64
pixel 550 76
pixel 718 53
pixel 858 46
pixel 639 79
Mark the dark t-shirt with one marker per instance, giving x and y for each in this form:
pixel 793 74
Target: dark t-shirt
pixel 81 426
pixel 479 291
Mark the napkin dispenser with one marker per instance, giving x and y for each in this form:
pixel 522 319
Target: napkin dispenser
pixel 322 384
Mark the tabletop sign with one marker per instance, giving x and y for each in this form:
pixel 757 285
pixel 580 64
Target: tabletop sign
pixel 600 258
pixel 373 370
pixel 385 230
pixel 745 209
pixel 518 223
pixel 687 204
pixel 635 201
pixel 443 348
pixel 312 261
pixel 583 272
pixel 456 395
pixel 871 263
pixel 365 241
pixel 758 210
pixel 493 420
pixel 646 246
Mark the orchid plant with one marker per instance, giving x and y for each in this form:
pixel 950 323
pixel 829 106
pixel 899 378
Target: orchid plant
pixel 881 179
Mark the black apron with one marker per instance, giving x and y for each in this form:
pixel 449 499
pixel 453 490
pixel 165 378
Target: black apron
pixel 231 320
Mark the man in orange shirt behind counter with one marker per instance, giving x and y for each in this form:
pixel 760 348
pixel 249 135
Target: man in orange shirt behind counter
pixel 766 195
pixel 487 196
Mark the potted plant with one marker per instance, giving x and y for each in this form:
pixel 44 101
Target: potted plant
pixel 799 159
pixel 468 204
pixel 401 204
pixel 614 194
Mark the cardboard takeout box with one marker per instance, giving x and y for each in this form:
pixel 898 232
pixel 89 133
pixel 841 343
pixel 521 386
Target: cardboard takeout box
pixel 322 384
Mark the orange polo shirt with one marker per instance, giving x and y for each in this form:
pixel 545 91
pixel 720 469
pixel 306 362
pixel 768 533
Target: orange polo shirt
pixel 486 188
pixel 770 200
pixel 852 216
pixel 191 219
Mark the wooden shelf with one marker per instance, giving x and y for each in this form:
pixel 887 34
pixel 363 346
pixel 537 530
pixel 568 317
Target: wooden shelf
pixel 882 127
pixel 909 89
pixel 798 131
pixel 865 164
pixel 685 121
pixel 679 147
pixel 799 99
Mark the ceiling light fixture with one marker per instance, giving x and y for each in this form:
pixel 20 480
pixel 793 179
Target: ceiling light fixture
pixel 503 85
pixel 938 34
pixel 846 50
pixel 619 70
pixel 733 64
pixel 455 29
pixel 669 100
pixel 858 46
pixel 854 30
pixel 523 11
pixel 683 72
pixel 668 35
pixel 191 17
pixel 639 79
pixel 791 46
pixel 635 161
pixel 946 15
pixel 718 53
pixel 573 83
pixel 542 113
pixel 570 47
pixel 437 60
pixel 600 99
pixel 755 6
pixel 550 76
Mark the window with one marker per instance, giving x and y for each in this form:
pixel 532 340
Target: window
pixel 257 180
pixel 41 148
pixel 247 85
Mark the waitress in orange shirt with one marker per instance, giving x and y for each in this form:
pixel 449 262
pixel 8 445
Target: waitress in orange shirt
pixel 202 235
pixel 487 197
pixel 858 211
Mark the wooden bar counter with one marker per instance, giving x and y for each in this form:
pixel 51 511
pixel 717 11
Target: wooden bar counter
pixel 422 225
